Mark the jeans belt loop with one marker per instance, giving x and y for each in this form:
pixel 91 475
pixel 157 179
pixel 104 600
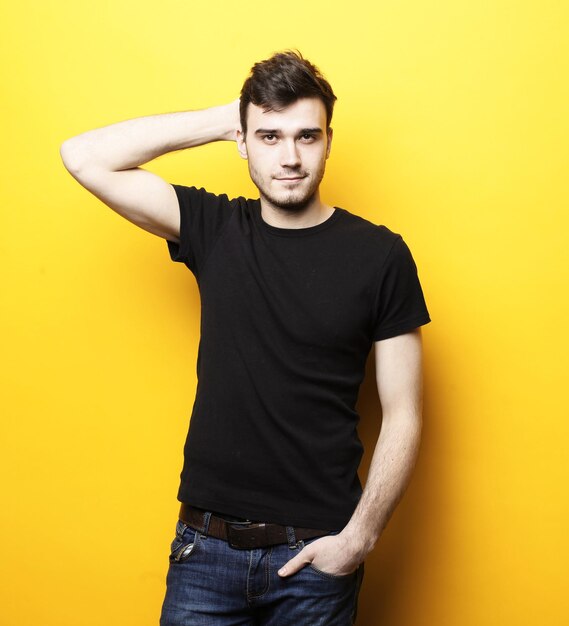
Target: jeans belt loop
pixel 206 519
pixel 291 536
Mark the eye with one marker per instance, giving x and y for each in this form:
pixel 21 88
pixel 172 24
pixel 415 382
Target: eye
pixel 307 137
pixel 269 138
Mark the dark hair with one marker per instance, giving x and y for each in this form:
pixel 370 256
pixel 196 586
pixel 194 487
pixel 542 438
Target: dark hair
pixel 279 81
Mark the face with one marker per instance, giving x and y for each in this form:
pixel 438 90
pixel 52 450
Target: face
pixel 286 152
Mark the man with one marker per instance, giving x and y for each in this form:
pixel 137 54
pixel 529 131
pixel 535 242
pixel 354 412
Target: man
pixel 274 527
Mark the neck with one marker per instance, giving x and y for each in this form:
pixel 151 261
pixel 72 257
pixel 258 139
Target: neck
pixel 313 213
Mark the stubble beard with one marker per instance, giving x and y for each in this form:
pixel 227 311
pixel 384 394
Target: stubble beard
pixel 293 201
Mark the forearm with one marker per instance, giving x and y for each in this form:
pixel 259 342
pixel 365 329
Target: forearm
pixel 390 471
pixel 389 474
pixel 128 144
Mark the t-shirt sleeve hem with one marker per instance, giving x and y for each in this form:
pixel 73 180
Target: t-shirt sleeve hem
pixel 402 328
pixel 174 249
pixel 179 251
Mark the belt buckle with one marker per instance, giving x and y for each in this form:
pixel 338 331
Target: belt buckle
pixel 244 535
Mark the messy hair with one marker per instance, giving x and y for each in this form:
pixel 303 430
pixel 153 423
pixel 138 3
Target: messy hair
pixel 277 82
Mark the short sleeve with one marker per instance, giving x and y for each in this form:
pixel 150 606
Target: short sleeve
pixel 203 215
pixel 400 305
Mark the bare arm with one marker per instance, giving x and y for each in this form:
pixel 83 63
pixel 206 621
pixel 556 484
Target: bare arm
pixel 106 161
pixel 399 382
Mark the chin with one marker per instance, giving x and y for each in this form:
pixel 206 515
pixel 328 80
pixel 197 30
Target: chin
pixel 292 201
pixel 292 204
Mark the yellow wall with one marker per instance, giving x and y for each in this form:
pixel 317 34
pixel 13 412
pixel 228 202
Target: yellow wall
pixel 451 127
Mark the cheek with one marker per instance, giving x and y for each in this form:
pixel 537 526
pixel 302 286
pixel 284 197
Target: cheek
pixel 317 161
pixel 316 154
pixel 260 161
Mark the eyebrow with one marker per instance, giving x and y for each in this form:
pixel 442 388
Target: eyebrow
pixel 276 131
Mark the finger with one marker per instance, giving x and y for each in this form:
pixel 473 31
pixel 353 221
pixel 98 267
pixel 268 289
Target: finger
pixel 295 564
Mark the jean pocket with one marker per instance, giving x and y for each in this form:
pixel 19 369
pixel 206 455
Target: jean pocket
pixel 184 543
pixel 329 576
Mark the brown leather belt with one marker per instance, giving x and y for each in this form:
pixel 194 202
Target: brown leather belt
pixel 244 535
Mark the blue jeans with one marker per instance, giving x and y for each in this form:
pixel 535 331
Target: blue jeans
pixel 209 583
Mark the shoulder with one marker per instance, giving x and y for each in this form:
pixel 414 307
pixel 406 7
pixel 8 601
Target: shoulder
pixel 376 239
pixel 364 227
pixel 188 194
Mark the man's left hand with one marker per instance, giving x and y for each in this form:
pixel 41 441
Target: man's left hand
pixel 332 554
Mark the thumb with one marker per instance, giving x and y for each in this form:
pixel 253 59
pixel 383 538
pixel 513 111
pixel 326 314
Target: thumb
pixel 295 564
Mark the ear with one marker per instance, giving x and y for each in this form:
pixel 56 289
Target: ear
pixel 241 145
pixel 329 146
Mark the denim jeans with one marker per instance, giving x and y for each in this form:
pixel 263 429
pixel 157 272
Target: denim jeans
pixel 209 583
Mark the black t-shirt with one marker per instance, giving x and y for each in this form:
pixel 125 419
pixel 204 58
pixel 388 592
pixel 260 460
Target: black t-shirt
pixel 288 317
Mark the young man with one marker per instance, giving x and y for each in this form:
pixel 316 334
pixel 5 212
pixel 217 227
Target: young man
pixel 273 526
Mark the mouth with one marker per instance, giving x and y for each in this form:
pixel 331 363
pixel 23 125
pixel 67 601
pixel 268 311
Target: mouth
pixel 289 179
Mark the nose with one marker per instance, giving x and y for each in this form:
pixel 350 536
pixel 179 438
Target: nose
pixel 290 156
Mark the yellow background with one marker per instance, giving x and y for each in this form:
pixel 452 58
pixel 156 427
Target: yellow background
pixel 451 128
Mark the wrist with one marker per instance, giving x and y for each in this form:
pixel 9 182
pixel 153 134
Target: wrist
pixel 360 542
pixel 231 120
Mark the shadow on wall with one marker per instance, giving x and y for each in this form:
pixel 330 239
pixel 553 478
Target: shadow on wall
pixel 403 556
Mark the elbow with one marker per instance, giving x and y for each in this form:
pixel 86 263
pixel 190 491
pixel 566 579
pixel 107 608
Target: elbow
pixel 71 157
pixel 408 421
pixel 78 155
